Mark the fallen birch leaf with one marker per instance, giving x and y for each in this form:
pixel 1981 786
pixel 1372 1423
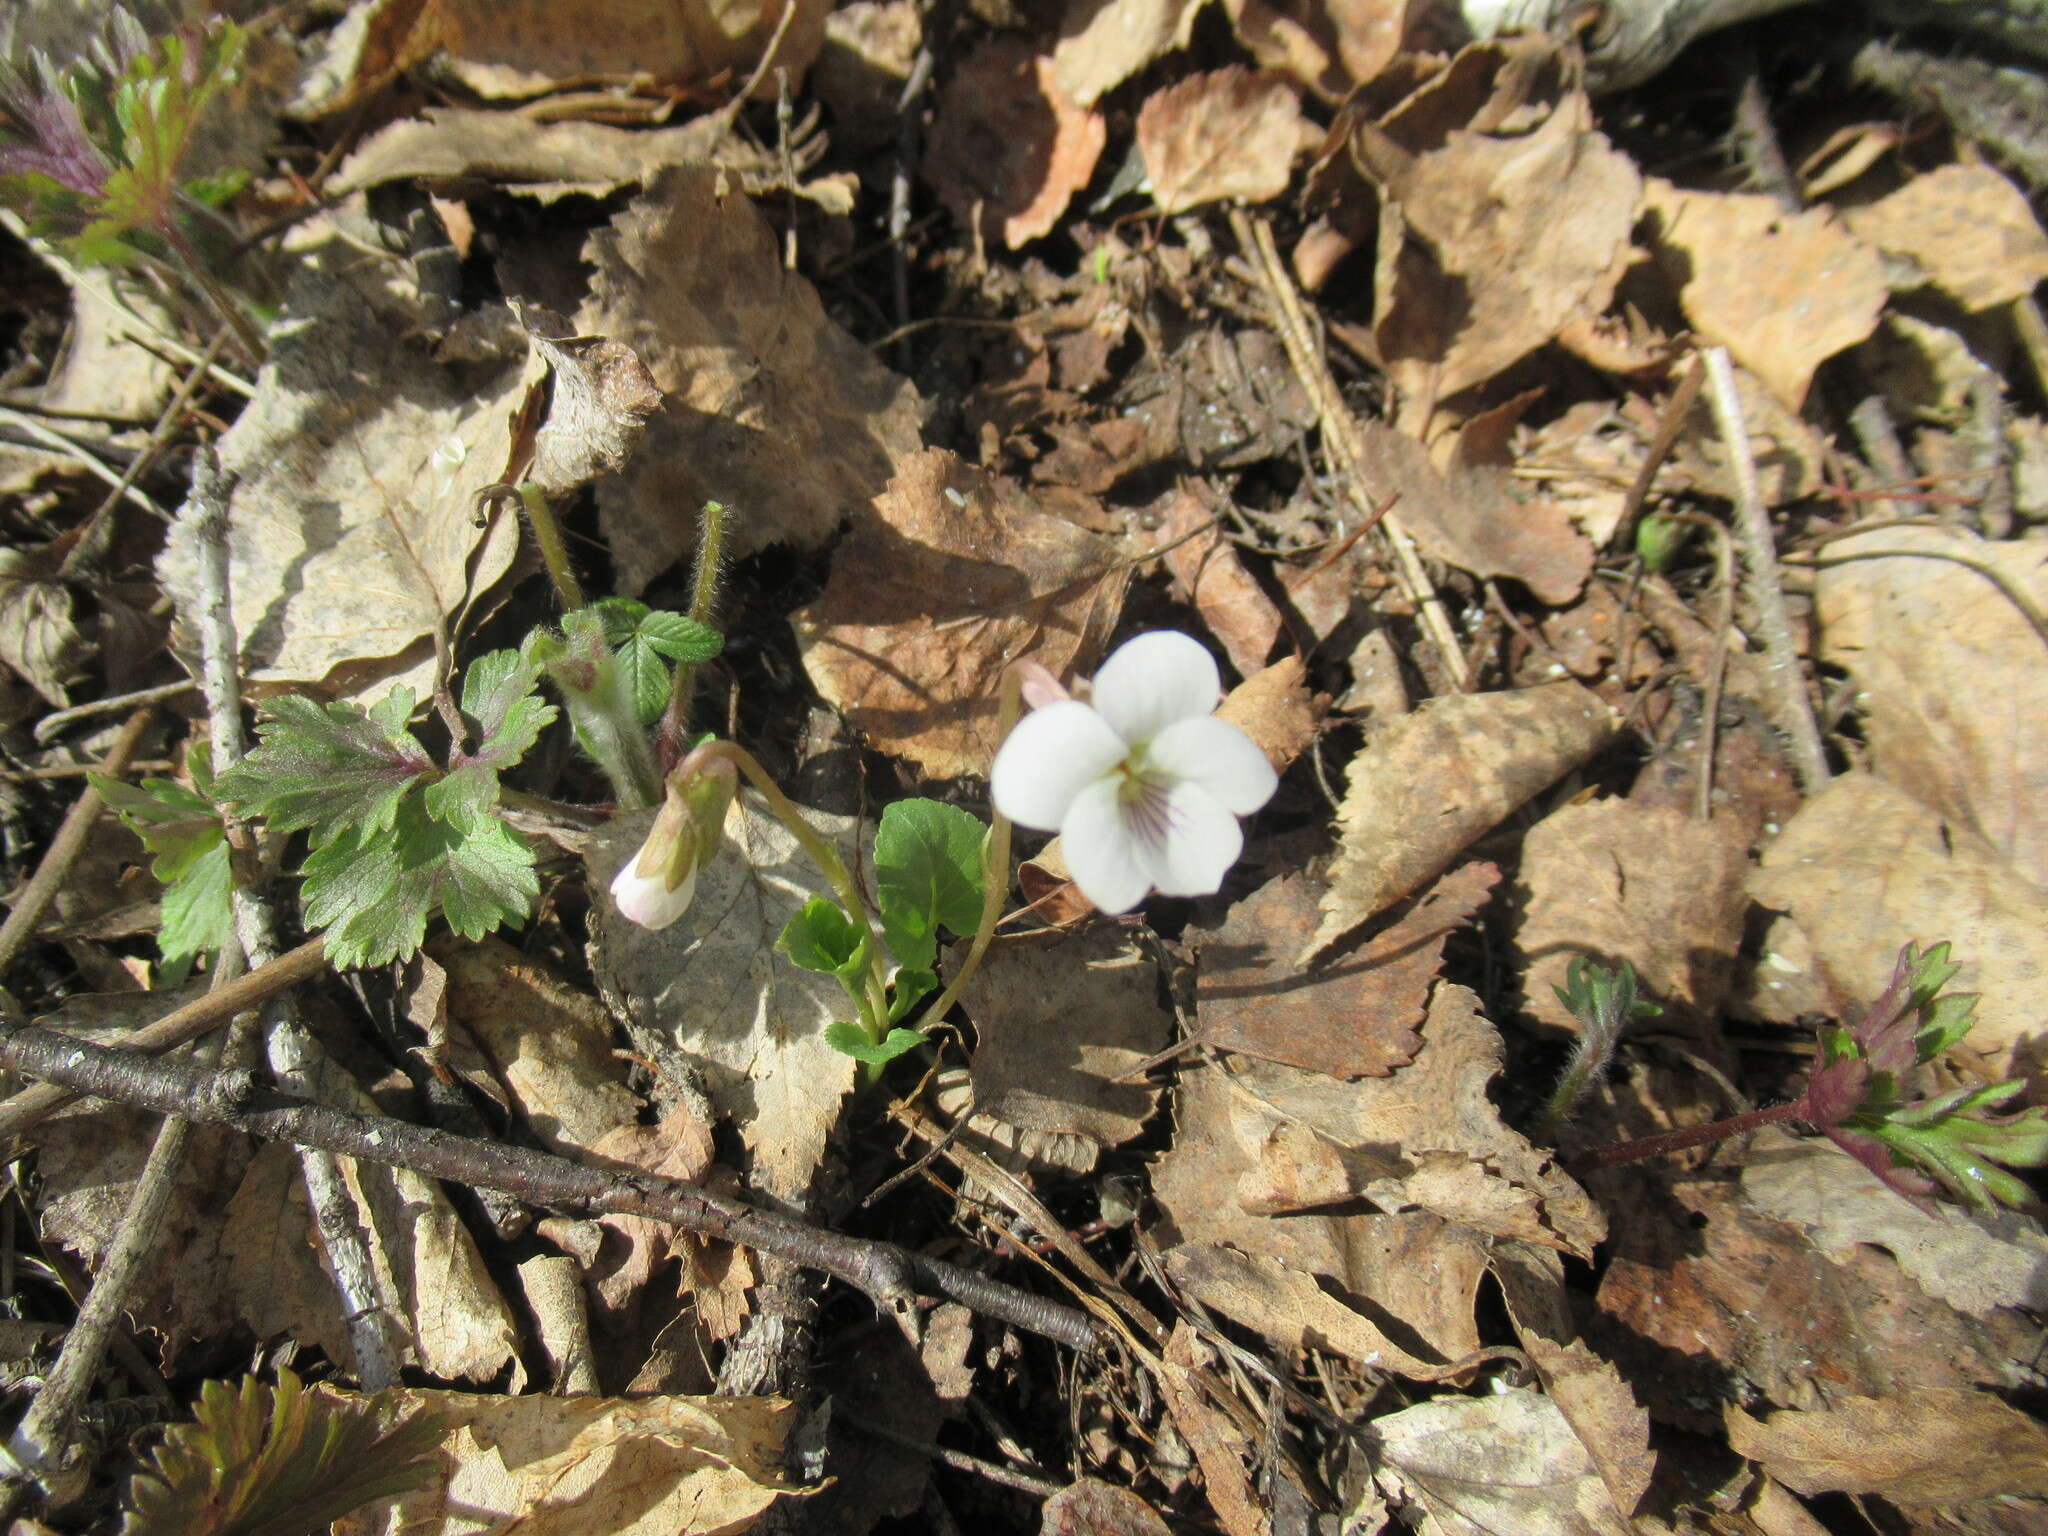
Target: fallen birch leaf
pixel 351 532
pixel 952 579
pixel 1105 42
pixel 1963 229
pixel 1229 134
pixel 1353 1017
pixel 1928 1447
pixel 1975 1261
pixel 1863 868
pixel 1329 47
pixel 1009 147
pixel 1288 1309
pixel 1206 569
pixel 1094 1508
pixel 1950 676
pixel 565 1466
pixel 1425 785
pixel 771 407
pixel 1509 1462
pixel 1783 292
pixel 1616 881
pixel 710 995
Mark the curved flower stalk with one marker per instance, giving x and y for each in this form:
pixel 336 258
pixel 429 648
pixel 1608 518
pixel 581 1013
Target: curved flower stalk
pixel 1144 785
pixel 655 886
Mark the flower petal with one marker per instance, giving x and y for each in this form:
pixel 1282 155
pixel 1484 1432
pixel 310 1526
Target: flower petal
pixel 1202 841
pixel 648 899
pixel 1102 854
pixel 1154 680
pixel 1218 756
pixel 1052 754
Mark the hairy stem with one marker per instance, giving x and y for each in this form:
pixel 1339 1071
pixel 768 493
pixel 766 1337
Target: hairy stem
pixel 675 720
pixel 1689 1136
pixel 547 533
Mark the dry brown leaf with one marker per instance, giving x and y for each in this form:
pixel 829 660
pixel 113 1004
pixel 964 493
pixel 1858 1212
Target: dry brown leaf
pixel 710 996
pixel 1499 229
pixel 1057 1023
pixel 1973 1260
pixel 1950 676
pixel 1929 1447
pixel 1648 885
pixel 1288 1309
pixel 351 530
pixel 1009 147
pixel 1473 518
pixel 1864 868
pixel 1964 229
pixel 1232 133
pixel 1426 784
pixel 549 1044
pixel 1094 1508
pixel 955 577
pixel 1222 1448
pixel 566 1466
pixel 1353 1017
pixel 715 1275
pixel 1207 572
pixel 1274 707
pixel 1509 1462
pixel 1105 42
pixel 1330 46
pixel 1413 1268
pixel 771 407
pixel 1781 291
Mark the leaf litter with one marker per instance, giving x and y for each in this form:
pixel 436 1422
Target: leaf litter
pixel 989 374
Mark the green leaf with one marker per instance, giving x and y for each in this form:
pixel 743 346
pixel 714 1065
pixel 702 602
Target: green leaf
pixel 328 767
pixel 852 1040
pixel 198 913
pixel 264 1461
pixel 500 704
pixel 927 876
pixel 822 938
pixel 680 637
pixel 192 861
pixel 640 637
pixel 908 989
pixel 375 891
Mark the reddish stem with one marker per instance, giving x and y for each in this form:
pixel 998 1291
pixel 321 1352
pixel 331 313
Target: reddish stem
pixel 1691 1136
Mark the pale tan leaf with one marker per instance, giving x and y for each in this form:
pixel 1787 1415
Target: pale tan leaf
pixel 1274 707
pixel 1783 292
pixel 1964 229
pixel 1009 147
pixel 1104 42
pixel 1428 783
pixel 770 407
pixel 954 577
pixel 1232 133
pixel 1288 1308
pixel 1221 1446
pixel 1929 1447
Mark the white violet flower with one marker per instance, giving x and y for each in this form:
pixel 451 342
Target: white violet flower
pixel 1143 783
pixel 654 887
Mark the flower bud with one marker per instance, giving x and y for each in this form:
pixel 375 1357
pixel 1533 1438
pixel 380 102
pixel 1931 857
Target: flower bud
pixel 653 888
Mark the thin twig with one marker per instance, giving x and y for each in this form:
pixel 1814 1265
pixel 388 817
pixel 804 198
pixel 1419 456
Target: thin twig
pixel 1340 439
pixel 58 720
pixel 1717 663
pixel 892 1276
pixel 79 454
pixel 1759 550
pixel 37 1102
pixel 960 1461
pixel 1669 424
pixel 66 846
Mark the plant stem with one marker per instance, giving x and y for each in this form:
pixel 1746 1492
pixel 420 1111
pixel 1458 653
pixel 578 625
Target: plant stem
pixel 1690 1136
pixel 675 720
pixel 193 265
pixel 547 533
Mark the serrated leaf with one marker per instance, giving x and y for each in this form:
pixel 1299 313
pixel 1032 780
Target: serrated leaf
pixel 927 875
pixel 263 1461
pixel 375 892
pixel 640 637
pixel 193 862
pixel 678 636
pixel 328 766
pixel 198 915
pixel 500 703
pixel 822 938
pixel 852 1040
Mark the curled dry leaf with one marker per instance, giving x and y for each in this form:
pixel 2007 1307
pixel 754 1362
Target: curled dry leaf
pixel 952 579
pixel 1057 1024
pixel 1864 867
pixel 1009 147
pixel 1353 1017
pixel 1615 881
pixel 1781 291
pixel 1950 675
pixel 1507 217
pixel 1929 1447
pixel 598 397
pixel 1330 48
pixel 1975 1261
pixel 1964 229
pixel 770 407
pixel 351 533
pixel 709 997
pixel 1430 782
pixel 559 1466
pixel 1232 133
pixel 1473 518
